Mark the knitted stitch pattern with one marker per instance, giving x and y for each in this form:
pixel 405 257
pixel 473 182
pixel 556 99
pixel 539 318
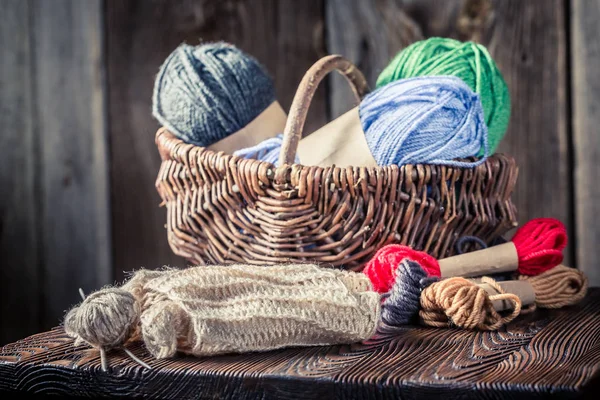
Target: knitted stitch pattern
pixel 212 310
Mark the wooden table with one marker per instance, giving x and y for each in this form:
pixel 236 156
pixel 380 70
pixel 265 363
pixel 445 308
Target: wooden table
pixel 545 353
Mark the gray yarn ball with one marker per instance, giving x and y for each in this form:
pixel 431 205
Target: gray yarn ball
pixel 203 94
pixel 105 319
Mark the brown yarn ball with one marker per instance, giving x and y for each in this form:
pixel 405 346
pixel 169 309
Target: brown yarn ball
pixel 105 319
pixel 558 287
pixel 460 302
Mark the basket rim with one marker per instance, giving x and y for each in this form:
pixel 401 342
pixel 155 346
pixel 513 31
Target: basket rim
pixel 172 148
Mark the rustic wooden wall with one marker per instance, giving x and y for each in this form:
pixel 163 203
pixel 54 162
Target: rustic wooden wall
pixel 54 209
pixel 78 204
pixel 585 89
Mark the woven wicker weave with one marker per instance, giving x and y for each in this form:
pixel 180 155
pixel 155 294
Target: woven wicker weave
pixel 224 209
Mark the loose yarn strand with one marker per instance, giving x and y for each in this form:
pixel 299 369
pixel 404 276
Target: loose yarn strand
pixel 450 302
pixel 103 360
pixel 134 358
pixel 502 295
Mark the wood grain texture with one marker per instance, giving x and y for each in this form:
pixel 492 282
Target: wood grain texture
pixel 73 173
pixel 283 35
pixel 18 206
pixel 585 58
pixel 545 353
pixel 527 39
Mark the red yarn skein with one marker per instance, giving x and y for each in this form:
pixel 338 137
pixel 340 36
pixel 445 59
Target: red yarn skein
pixel 539 244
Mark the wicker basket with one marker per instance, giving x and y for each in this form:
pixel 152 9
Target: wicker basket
pixel 226 209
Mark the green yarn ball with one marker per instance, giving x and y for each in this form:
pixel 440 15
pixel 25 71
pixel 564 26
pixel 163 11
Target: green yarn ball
pixel 467 60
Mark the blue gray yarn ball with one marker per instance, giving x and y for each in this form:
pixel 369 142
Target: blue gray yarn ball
pixel 403 301
pixel 203 94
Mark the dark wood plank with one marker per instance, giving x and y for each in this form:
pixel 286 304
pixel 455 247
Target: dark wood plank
pixel 73 172
pixel 18 203
pixel 585 54
pixel 545 353
pixel 528 41
pixel 141 34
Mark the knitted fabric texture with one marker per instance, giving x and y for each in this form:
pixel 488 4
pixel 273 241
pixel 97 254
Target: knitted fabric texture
pixel 211 310
pixel 468 61
pixel 203 94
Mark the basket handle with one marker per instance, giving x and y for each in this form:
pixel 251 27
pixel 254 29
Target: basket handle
pixel 303 97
